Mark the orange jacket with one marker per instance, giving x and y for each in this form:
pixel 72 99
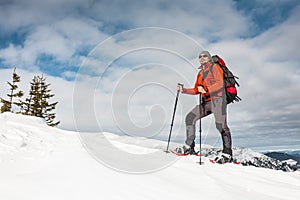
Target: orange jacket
pixel 212 80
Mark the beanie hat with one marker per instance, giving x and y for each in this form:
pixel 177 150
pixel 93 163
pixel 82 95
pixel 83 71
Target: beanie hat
pixel 206 53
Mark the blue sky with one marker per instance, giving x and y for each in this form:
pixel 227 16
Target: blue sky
pixel 93 48
pixel 266 14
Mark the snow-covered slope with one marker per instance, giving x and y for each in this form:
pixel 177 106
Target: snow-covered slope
pixel 40 162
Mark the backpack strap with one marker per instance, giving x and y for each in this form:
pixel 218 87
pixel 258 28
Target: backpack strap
pixel 204 75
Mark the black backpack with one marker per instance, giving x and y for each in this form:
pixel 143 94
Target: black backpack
pixel 230 82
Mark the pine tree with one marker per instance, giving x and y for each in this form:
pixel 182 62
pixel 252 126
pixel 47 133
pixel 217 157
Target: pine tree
pixel 7 104
pixel 37 104
pixel 47 107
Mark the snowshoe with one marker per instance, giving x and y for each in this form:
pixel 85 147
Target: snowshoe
pixel 183 150
pixel 223 158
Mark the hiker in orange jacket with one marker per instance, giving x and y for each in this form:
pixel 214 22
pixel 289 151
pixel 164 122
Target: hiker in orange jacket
pixel 210 83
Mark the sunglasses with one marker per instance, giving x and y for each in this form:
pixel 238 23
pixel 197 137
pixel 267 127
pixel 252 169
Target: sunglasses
pixel 204 56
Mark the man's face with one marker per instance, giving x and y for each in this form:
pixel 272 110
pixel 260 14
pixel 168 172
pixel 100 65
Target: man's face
pixel 203 58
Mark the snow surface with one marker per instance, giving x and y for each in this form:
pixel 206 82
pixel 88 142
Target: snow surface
pixel 38 162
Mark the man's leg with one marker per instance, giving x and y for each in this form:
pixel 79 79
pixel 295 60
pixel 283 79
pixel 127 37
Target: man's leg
pixel 219 109
pixel 190 122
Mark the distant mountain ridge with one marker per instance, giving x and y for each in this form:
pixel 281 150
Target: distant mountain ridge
pixel 282 156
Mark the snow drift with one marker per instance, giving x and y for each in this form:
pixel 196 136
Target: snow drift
pixel 42 162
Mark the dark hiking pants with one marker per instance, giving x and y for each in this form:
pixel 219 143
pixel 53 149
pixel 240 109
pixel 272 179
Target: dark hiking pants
pixel 218 108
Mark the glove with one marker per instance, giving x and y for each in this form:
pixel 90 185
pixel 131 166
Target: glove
pixel 201 89
pixel 180 87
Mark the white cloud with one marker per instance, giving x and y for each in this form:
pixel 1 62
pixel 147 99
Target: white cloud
pixel 18 14
pixel 61 40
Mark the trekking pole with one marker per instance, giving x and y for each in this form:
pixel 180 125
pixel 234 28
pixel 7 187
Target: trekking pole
pixel 200 129
pixel 176 100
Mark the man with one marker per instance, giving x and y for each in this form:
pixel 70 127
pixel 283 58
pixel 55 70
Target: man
pixel 210 83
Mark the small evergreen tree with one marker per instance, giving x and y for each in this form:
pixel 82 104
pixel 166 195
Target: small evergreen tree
pixel 47 107
pixel 7 104
pixel 37 104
